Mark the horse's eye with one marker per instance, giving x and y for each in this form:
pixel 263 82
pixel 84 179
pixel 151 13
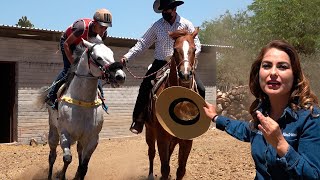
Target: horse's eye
pixel 99 59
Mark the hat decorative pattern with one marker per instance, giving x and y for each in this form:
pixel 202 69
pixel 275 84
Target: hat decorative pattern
pixel 184 118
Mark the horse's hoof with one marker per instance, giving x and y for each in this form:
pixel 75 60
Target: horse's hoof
pixel 67 158
pixel 136 127
pixel 150 177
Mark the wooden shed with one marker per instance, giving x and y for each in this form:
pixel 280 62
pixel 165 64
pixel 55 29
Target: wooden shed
pixel 30 59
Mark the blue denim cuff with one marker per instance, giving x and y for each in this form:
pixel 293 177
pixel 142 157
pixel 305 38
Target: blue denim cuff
pixel 222 122
pixel 289 160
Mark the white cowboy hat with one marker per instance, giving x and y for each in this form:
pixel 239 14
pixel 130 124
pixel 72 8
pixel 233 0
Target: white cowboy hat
pixel 180 112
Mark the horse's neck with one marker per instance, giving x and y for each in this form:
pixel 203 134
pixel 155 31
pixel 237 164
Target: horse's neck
pixel 83 86
pixel 173 77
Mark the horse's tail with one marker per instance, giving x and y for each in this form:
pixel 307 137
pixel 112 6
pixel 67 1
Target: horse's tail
pixel 40 99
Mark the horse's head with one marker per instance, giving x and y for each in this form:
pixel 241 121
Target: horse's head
pixel 101 64
pixel 184 54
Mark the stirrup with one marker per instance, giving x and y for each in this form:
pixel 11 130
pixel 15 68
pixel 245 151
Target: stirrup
pixel 53 105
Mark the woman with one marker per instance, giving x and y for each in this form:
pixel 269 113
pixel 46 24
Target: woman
pixel 285 131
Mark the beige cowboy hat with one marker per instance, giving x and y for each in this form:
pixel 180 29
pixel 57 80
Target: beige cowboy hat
pixel 180 112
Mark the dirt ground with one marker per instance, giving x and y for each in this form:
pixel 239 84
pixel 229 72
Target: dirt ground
pixel 214 155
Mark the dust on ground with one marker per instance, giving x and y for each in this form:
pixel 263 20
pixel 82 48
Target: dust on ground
pixel 214 155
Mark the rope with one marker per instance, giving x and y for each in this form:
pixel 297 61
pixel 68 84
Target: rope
pixel 143 77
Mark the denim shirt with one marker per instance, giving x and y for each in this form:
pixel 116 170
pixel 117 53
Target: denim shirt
pixel 302 132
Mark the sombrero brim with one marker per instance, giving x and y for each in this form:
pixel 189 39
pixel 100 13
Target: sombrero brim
pixel 186 129
pixel 172 5
pixel 156 5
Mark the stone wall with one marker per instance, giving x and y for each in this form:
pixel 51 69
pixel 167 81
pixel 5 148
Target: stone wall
pixel 235 103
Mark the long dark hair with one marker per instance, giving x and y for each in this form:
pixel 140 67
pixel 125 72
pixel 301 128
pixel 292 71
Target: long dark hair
pixel 301 94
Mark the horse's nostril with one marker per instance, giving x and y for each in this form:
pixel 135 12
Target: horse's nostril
pixel 180 74
pixel 119 77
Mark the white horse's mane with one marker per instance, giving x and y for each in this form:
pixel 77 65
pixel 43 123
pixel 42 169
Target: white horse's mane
pixel 80 48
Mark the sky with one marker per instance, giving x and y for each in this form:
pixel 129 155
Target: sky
pixel 131 18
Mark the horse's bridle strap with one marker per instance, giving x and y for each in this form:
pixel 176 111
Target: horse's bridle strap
pixel 69 100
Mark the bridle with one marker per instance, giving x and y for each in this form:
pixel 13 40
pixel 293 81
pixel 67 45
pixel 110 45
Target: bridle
pixel 105 69
pixel 191 74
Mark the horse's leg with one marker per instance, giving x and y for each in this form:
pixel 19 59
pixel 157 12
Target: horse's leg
pixel 65 143
pixel 151 140
pixel 87 152
pixel 163 149
pixel 184 151
pixel 172 146
pixel 53 143
pixel 79 150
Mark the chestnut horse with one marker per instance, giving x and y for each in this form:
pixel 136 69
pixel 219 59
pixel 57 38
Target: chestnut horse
pixel 181 74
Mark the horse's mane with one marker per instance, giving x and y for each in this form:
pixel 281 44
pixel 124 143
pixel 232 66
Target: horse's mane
pixel 77 53
pixel 179 33
pixel 80 48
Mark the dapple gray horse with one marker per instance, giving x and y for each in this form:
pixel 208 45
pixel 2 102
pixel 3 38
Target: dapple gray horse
pixel 79 117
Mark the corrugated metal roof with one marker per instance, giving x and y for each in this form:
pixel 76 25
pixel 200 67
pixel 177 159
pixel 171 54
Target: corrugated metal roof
pixel 54 35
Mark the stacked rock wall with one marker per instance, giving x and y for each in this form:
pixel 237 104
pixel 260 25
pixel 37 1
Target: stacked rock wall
pixel 235 103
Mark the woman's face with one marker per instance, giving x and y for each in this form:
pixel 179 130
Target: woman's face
pixel 275 75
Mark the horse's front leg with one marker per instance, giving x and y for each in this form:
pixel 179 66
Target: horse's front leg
pixel 163 143
pixel 184 151
pixel 53 143
pixel 87 150
pixel 151 140
pixel 65 142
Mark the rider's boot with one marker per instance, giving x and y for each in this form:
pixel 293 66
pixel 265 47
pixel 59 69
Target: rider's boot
pixel 51 98
pixel 140 111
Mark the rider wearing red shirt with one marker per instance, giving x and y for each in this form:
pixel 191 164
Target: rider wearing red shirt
pixel 80 29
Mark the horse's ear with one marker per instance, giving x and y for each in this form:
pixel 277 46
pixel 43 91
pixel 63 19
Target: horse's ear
pixel 87 43
pixel 195 32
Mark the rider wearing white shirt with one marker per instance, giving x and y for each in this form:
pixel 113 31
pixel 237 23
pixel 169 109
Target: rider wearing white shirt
pixel 158 34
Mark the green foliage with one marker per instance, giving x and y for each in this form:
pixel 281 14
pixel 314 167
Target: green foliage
pixel 234 61
pixel 24 22
pixel 297 21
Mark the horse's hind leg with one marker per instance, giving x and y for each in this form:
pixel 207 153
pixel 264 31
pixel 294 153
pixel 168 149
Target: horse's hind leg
pixel 65 143
pixel 184 151
pixel 85 155
pixel 151 140
pixel 53 143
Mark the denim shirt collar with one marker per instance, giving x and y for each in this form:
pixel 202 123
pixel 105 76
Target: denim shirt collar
pixel 287 111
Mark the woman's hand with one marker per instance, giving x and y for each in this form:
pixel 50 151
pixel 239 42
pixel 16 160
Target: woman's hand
pixel 210 110
pixel 272 133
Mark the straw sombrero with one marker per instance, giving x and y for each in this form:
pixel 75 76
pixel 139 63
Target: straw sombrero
pixel 180 112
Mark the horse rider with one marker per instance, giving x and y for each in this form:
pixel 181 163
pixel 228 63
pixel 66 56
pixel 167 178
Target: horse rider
pixel 158 34
pixel 81 29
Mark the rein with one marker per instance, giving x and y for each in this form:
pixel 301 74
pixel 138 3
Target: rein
pixel 143 77
pixel 88 77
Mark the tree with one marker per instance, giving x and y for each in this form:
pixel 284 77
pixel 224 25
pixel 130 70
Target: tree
pixel 233 64
pixel 297 21
pixel 24 22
